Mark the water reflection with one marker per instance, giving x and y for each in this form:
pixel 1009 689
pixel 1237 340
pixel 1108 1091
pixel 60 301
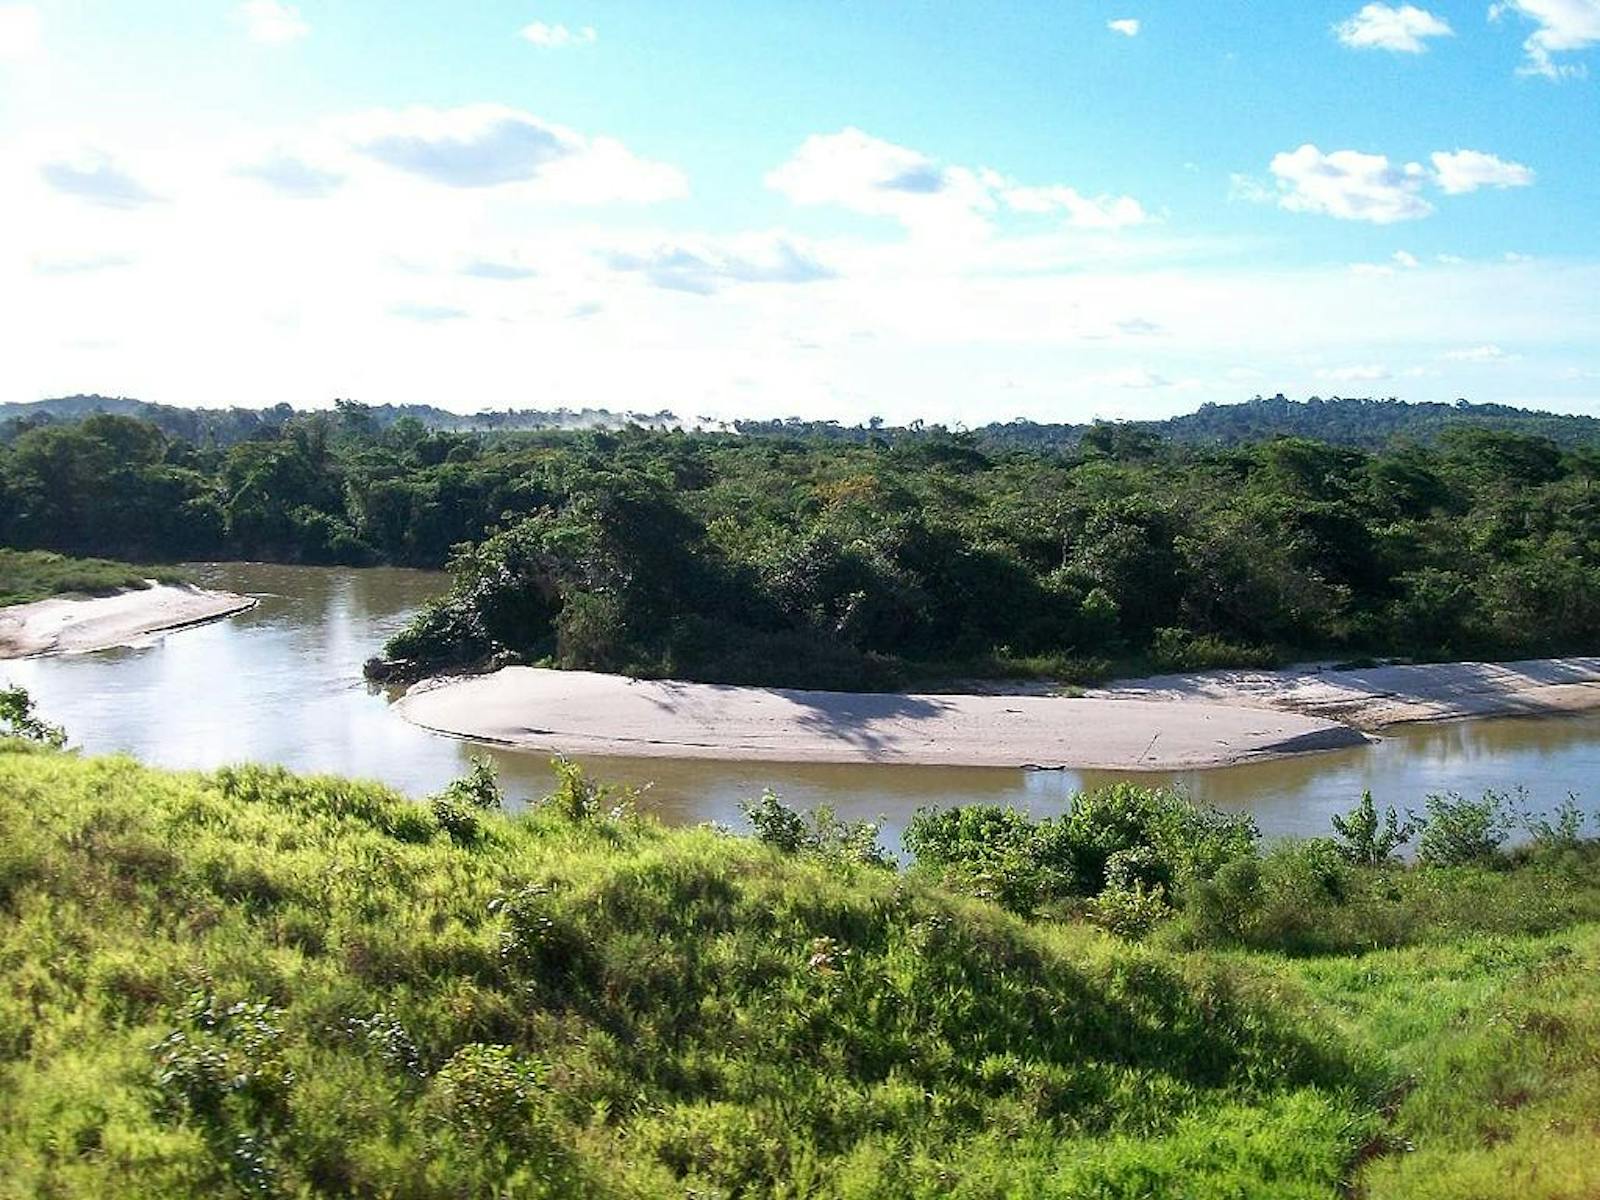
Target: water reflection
pixel 282 683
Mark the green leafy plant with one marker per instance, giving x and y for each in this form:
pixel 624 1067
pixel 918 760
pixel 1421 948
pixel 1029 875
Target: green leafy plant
pixel 1369 840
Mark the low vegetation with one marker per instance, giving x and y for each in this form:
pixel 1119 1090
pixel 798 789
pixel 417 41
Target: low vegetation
pixel 248 983
pixel 27 575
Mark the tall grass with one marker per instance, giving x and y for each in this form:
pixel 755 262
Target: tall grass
pixel 249 983
pixel 28 575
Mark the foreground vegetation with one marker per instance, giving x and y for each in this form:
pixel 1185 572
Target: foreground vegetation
pixel 909 556
pixel 250 983
pixel 27 575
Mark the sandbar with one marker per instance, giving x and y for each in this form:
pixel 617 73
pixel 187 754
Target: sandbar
pixel 1375 697
pixel 81 624
pixel 584 713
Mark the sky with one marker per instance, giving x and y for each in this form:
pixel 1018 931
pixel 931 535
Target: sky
pixel 959 212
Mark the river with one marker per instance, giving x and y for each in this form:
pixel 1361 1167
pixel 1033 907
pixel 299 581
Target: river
pixel 282 683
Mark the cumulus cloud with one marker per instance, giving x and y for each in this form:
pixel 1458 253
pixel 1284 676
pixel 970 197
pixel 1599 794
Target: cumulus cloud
pixel 272 23
pixel 865 174
pixel 1563 26
pixel 293 177
pixel 488 145
pixel 1080 211
pixel 1462 171
pixel 1350 185
pixel 702 266
pixel 1126 26
pixel 1403 30
pixel 21 35
pixel 95 179
pixel 1406 259
pixel 1353 186
pixel 553 37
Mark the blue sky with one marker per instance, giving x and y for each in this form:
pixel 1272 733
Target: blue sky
pixel 960 212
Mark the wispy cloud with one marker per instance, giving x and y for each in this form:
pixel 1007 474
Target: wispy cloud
pixel 95 179
pixel 272 23
pixel 1126 26
pixel 21 33
pixel 552 37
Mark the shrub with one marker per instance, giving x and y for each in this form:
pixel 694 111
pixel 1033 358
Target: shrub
pixel 1564 833
pixel 790 832
pixel 18 720
pixel 1458 832
pixel 1367 840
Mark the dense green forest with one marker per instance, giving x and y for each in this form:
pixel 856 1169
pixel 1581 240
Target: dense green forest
pixel 1349 421
pixel 807 561
pixel 252 984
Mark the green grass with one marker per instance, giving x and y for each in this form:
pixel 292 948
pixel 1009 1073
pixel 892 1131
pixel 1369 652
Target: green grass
pixel 249 983
pixel 28 575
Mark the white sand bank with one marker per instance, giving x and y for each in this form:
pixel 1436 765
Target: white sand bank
pixel 78 624
pixel 1371 698
pixel 577 712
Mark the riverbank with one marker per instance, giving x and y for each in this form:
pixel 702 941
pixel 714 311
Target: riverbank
pixel 1373 698
pixel 80 624
pixel 583 713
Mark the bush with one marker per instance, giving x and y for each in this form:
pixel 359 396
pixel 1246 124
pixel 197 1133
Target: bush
pixel 1368 841
pixel 781 827
pixel 1459 832
pixel 18 720
pixel 1155 837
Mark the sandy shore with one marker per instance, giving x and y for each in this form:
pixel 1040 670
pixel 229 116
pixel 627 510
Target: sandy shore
pixel 576 712
pixel 78 624
pixel 1371 698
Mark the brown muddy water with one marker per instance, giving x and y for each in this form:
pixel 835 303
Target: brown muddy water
pixel 282 683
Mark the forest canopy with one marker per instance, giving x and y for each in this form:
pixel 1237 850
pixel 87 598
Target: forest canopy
pixel 830 562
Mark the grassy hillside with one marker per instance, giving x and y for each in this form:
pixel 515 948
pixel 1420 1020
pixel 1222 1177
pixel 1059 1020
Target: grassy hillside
pixel 27 575
pixel 248 983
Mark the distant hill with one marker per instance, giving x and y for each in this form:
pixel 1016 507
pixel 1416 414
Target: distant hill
pixel 1368 423
pixel 226 426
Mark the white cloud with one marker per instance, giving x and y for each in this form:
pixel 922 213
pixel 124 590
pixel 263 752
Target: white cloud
pixel 272 23
pixel 1487 353
pixel 21 35
pixel 552 37
pixel 1461 171
pixel 488 145
pixel 865 174
pixel 1361 374
pixel 94 178
pixel 294 176
pixel 1405 259
pixel 1563 26
pixel 1133 378
pixel 1126 26
pixel 1403 30
pixel 1350 185
pixel 1353 186
pixel 703 266
pixel 1080 211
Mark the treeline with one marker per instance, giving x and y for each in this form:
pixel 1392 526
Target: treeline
pixel 788 561
pixel 1350 421
pixel 224 427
